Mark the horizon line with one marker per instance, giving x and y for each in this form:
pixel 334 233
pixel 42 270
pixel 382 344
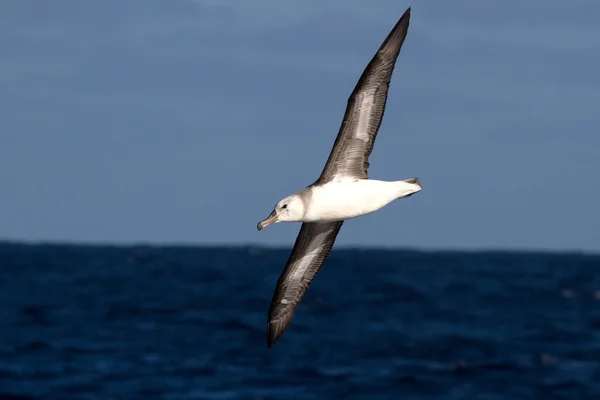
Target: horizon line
pixel 340 247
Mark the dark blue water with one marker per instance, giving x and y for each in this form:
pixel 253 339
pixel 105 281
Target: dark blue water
pixel 189 323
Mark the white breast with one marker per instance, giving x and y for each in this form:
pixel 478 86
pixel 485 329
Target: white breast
pixel 343 200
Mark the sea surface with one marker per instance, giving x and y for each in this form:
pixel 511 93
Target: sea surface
pixel 102 322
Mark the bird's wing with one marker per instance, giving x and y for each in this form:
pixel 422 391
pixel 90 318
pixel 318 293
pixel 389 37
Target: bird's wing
pixel 313 244
pixel 349 157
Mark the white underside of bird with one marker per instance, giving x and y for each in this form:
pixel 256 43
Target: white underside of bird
pixel 351 198
pixel 339 200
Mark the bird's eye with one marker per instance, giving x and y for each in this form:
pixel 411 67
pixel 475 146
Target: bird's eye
pixel 284 206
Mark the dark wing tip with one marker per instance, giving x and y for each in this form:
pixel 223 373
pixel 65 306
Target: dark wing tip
pixel 280 318
pixel 275 330
pixel 393 42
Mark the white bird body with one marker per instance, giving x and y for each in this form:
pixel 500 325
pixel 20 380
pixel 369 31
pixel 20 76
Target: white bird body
pixel 351 198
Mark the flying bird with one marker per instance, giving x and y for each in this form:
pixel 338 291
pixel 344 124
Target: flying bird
pixel 343 191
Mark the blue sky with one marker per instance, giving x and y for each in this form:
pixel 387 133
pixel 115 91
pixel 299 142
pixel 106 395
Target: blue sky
pixel 186 121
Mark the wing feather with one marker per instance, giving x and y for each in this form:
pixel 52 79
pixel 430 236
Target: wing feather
pixel 313 245
pixel 349 156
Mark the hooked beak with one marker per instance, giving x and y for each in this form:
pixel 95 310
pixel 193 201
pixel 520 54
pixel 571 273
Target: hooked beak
pixel 272 218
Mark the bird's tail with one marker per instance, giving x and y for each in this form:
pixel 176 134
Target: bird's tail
pixel 409 187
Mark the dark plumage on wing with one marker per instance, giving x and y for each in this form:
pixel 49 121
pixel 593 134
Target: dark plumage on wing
pixel 366 106
pixel 313 245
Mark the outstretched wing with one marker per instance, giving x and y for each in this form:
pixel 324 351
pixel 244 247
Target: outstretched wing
pixel 349 157
pixel 313 244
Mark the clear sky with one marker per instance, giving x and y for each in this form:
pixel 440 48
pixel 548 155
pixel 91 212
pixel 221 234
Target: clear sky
pixel 187 120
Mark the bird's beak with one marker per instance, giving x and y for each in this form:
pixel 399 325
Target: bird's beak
pixel 272 218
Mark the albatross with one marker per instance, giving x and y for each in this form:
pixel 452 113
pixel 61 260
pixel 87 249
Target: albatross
pixel 343 191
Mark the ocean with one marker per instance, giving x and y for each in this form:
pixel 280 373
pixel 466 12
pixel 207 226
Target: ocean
pixel 152 322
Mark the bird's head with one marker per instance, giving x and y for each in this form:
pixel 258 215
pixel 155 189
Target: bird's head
pixel 289 209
